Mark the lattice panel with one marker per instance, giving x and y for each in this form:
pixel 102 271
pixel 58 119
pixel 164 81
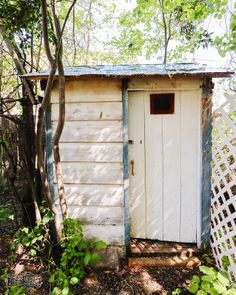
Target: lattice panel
pixel 223 205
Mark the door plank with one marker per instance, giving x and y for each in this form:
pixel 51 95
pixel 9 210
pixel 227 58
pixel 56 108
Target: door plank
pixel 171 176
pixel 154 176
pixel 190 128
pixel 136 154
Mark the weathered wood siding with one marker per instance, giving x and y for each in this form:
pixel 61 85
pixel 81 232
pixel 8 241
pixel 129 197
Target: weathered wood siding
pixel 92 155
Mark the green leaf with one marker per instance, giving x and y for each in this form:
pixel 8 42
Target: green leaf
pixel 213 291
pixel 65 291
pixel 33 252
pixel 231 291
pixel 25 230
pixel 225 262
pixel 194 284
pixel 219 287
pixel 52 278
pixel 205 285
pixel 208 271
pixel 195 279
pixel 25 241
pixel 100 245
pixel 223 279
pixel 33 241
pixel 177 291
pixel 193 288
pixel 208 278
pixel 95 258
pixel 201 292
pixel 74 281
pixel 87 258
pixel 56 291
pixel 46 218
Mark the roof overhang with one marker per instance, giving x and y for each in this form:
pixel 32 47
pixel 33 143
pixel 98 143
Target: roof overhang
pixel 127 71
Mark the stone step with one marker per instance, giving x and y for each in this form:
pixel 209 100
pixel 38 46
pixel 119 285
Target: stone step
pixel 184 261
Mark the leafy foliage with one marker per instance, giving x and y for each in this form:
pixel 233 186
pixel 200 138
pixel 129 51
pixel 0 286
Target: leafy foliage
pixel 6 213
pixel 77 254
pixel 211 282
pixel 20 16
pixel 153 25
pixel 227 42
pixel 15 290
pixel 35 240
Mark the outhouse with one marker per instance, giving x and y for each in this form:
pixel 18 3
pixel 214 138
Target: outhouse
pixel 136 150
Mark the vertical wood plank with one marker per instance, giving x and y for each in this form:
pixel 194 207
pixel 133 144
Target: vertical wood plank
pixel 154 172
pixel 137 173
pixel 190 149
pixel 126 160
pixel 171 174
pixel 206 162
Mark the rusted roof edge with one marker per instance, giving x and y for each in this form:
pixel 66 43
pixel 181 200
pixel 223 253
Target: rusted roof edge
pixel 170 75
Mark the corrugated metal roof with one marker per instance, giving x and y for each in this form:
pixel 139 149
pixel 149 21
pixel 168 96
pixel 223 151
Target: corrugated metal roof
pixel 177 69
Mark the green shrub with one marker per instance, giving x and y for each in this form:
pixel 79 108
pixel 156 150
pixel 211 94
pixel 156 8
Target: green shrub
pixel 211 282
pixel 15 290
pixel 36 240
pixel 6 213
pixel 77 254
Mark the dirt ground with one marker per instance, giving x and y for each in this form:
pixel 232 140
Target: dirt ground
pixel 122 281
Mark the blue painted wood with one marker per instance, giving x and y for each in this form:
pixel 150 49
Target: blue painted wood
pixel 206 162
pixel 49 152
pixel 126 160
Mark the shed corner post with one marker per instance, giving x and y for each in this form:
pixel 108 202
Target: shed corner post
pixel 126 162
pixel 206 159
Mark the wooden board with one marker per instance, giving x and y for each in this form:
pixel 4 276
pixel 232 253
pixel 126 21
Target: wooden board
pixel 97 215
pixel 94 173
pixel 171 174
pixel 154 173
pixel 91 152
pixel 103 131
pixel 159 84
pixel 136 154
pixel 90 89
pixel 190 147
pixel 94 195
pixel 90 111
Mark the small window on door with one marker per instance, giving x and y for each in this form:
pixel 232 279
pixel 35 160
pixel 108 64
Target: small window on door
pixel 161 104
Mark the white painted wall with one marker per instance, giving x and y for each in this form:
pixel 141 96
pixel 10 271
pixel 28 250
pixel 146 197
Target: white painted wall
pixel 92 156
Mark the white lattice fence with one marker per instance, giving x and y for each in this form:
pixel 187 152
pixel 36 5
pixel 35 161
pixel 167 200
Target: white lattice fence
pixel 223 205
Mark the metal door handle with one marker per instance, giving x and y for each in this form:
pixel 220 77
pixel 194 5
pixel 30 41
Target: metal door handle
pixel 132 167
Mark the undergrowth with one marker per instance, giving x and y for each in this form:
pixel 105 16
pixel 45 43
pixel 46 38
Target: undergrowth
pixel 76 253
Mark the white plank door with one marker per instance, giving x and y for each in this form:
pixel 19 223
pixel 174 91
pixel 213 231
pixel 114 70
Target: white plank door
pixel 164 168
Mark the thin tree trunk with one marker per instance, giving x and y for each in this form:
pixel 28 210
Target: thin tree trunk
pixel 61 121
pixel 28 122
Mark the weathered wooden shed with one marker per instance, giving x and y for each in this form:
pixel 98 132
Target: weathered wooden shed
pixel 136 150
